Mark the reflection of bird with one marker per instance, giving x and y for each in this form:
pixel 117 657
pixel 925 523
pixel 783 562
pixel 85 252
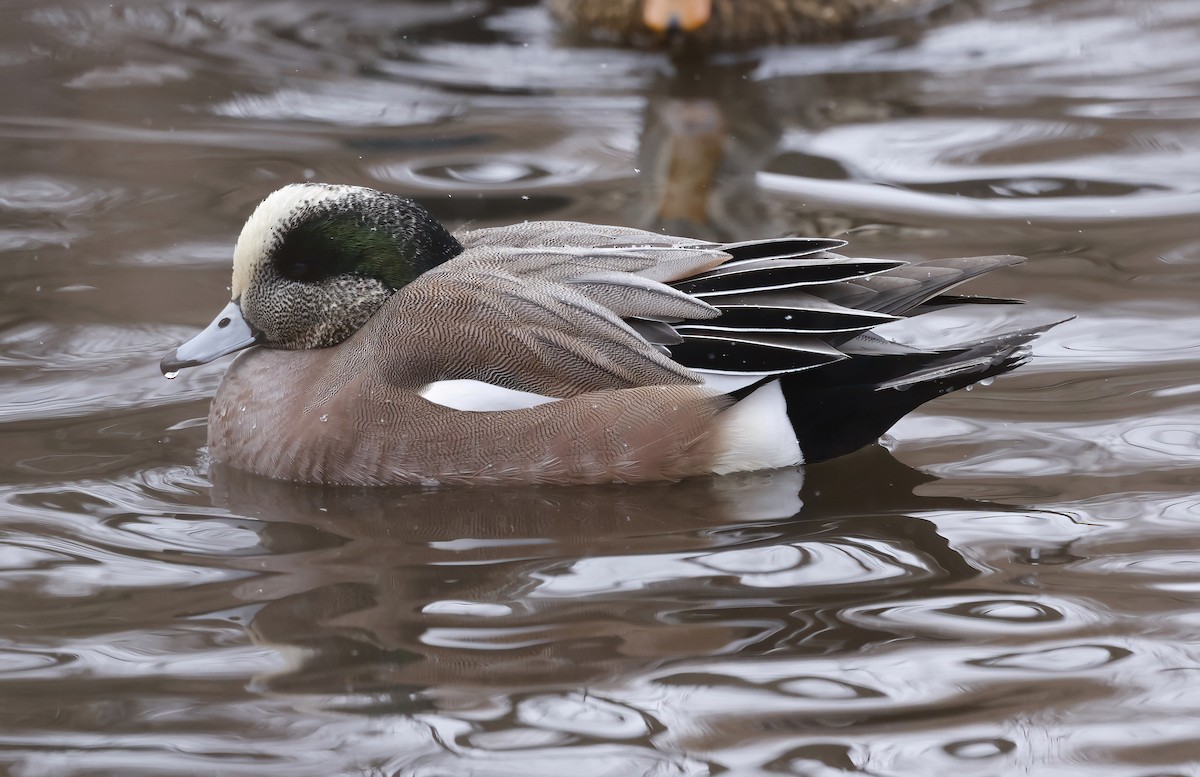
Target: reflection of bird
pixel 557 351
pixel 716 24
pixel 698 157
pixel 542 587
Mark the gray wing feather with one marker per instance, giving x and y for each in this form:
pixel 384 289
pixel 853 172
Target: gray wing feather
pixel 899 290
pixel 544 337
pixel 635 296
pixel 562 234
pixel 559 249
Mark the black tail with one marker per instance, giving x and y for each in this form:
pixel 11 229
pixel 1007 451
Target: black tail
pixel 793 311
pixel 843 406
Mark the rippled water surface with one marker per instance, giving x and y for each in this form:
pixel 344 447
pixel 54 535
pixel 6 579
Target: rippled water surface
pixel 1009 586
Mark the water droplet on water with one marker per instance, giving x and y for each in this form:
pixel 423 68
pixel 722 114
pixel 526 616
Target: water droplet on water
pixel 324 418
pixel 987 381
pixel 171 374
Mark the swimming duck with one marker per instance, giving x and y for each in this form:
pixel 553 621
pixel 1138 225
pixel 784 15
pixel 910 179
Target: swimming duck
pixel 726 24
pixel 379 348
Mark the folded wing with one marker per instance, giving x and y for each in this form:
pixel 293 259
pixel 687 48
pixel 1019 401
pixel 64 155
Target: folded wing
pixel 562 308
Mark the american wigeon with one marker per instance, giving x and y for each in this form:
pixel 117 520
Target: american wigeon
pixel 718 24
pixel 387 350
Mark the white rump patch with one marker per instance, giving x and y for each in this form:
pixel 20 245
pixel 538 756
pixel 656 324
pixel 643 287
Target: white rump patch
pixel 756 434
pixel 478 396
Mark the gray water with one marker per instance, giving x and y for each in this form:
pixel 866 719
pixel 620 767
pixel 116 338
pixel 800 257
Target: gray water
pixel 1008 586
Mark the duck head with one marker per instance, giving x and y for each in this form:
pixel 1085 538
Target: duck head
pixel 312 264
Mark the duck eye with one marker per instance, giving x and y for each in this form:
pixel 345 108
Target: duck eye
pixel 295 271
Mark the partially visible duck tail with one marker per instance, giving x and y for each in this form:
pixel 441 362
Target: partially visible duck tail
pixel 851 403
pixel 796 316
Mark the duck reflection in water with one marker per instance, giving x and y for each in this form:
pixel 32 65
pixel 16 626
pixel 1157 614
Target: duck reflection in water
pixel 711 123
pixel 708 130
pixel 396 599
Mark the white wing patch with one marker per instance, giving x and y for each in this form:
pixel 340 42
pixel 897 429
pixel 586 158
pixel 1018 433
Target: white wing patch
pixel 756 434
pixel 477 396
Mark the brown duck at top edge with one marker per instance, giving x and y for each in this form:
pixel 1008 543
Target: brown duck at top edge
pixel 726 24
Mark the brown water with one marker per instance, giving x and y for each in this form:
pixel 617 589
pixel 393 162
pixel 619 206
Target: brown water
pixel 1010 587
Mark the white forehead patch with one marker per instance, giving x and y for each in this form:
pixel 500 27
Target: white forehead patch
pixel 276 210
